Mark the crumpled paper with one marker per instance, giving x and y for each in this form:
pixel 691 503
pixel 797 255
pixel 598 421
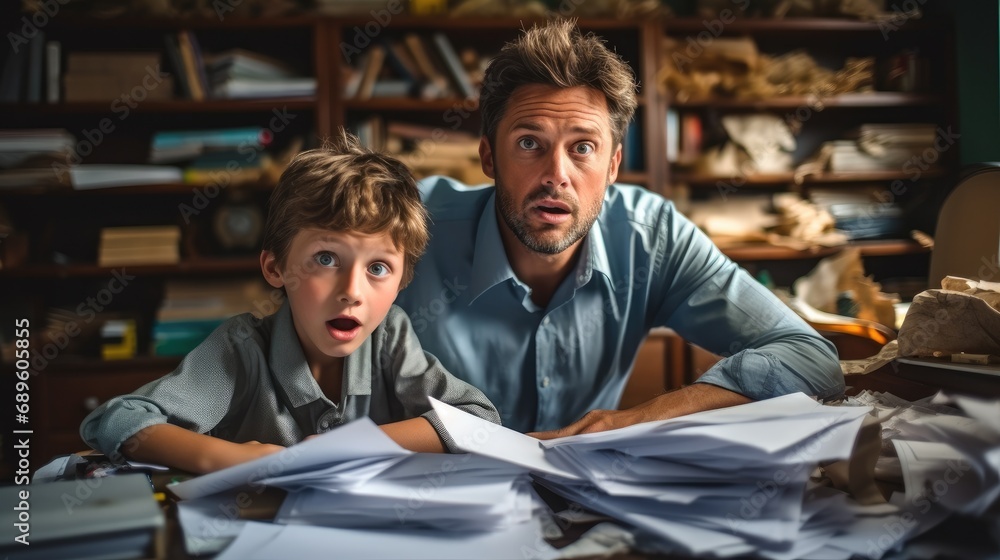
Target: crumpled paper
pixel 963 316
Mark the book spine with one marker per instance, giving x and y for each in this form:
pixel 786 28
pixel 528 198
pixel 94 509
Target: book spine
pixel 455 69
pixel 53 70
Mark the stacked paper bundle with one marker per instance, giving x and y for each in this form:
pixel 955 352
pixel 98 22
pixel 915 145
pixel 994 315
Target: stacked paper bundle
pixel 358 480
pixel 721 483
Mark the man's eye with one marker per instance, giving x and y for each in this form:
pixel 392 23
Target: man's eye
pixel 584 149
pixel 325 259
pixel 527 144
pixel 379 269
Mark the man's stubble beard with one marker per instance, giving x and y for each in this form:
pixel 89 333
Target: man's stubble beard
pixel 515 220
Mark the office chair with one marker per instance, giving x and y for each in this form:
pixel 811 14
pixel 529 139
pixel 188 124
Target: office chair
pixel 967 238
pixel 854 338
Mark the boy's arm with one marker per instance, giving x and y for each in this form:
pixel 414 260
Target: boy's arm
pixel 173 446
pixel 415 434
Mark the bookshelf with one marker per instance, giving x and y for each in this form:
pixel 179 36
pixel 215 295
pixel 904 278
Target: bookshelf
pixel 50 257
pixel 817 117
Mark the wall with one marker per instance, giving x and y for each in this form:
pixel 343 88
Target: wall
pixel 977 26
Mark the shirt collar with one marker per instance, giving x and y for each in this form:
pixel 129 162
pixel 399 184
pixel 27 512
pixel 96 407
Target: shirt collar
pixel 291 369
pixel 489 259
pixel 491 267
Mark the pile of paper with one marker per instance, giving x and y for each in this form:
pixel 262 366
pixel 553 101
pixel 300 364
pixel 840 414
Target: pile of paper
pixel 357 479
pixel 734 481
pixel 722 483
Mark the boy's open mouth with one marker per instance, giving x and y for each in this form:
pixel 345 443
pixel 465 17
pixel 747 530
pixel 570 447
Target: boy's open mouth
pixel 343 324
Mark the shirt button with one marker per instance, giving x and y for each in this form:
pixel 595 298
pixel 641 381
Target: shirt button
pixel 324 424
pixel 545 381
pixel 545 321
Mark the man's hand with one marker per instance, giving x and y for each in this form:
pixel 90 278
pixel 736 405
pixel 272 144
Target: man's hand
pixel 594 421
pixel 686 400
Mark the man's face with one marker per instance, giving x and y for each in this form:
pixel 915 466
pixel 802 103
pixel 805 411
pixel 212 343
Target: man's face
pixel 552 163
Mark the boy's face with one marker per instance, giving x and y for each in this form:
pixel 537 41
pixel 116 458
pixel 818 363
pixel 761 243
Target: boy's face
pixel 340 286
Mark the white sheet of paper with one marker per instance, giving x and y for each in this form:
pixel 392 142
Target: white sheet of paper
pixel 355 440
pixel 263 541
pixel 475 435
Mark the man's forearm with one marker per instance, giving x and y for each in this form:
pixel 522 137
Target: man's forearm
pixel 686 400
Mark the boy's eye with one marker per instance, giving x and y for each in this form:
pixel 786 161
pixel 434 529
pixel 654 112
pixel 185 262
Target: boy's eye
pixel 527 143
pixel 326 258
pixel 379 269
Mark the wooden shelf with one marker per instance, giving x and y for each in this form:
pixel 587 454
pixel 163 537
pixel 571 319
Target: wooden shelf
pixel 878 248
pixel 410 104
pixel 792 26
pixel 764 179
pixel 84 364
pixel 633 177
pixel 172 23
pixel 173 106
pixel 196 267
pixel 874 99
pixel 167 188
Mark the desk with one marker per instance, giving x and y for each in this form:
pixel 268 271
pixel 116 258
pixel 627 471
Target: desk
pixel 906 381
pixel 912 382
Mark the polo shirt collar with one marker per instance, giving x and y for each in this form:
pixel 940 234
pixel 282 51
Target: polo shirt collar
pixel 291 370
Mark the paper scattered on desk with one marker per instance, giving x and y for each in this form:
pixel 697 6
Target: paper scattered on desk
pixel 266 541
pixel 358 440
pixel 723 482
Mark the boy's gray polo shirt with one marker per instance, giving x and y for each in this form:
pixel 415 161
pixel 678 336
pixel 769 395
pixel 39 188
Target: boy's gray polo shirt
pixel 249 380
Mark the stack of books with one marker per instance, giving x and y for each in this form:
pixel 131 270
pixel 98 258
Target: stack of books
pixel 27 156
pixel 413 66
pixel 880 147
pixel 191 310
pixel 430 151
pixel 242 74
pixel 106 76
pixel 143 245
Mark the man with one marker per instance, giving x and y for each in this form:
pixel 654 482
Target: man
pixel 540 291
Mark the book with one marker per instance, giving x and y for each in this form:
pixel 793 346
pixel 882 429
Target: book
pixel 193 74
pixel 36 67
pixel 12 76
pixel 424 62
pixel 241 63
pixel 53 71
pixel 138 256
pixel 251 88
pixel 401 62
pixel 126 63
pixel 459 77
pixel 137 236
pixel 177 64
pixel 373 65
pixel 112 517
pixel 97 176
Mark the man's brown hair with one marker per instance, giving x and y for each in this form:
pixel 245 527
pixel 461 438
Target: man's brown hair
pixel 558 54
pixel 346 187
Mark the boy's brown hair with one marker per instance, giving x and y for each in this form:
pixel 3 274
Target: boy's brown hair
pixel 346 187
pixel 558 54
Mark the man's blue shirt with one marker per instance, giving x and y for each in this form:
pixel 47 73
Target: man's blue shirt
pixel 642 265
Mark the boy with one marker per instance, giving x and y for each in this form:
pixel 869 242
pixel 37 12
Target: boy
pixel 344 231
